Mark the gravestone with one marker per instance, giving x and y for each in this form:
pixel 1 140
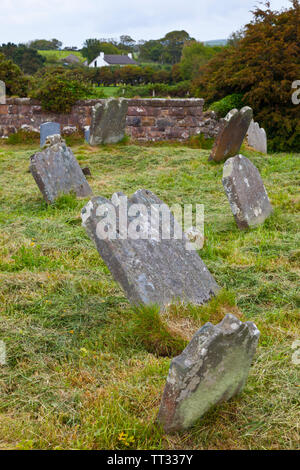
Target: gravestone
pixel 246 193
pixel 257 137
pixel 108 121
pixel 47 129
pixel 87 134
pixel 150 268
pixel 232 133
pixel 213 368
pixel 56 171
pixel 2 92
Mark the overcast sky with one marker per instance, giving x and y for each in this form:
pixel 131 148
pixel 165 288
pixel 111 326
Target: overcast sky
pixel 73 21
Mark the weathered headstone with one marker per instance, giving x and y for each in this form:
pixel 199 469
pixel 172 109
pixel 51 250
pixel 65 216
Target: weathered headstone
pixel 232 134
pixel 213 368
pixel 150 268
pixel 246 193
pixel 56 171
pixel 257 137
pixel 108 121
pixel 2 92
pixel 47 129
pixel 87 134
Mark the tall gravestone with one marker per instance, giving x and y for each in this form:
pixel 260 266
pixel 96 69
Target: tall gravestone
pixel 56 171
pixel 2 92
pixel 257 137
pixel 246 193
pixel 151 269
pixel 47 129
pixel 108 121
pixel 213 368
pixel 232 134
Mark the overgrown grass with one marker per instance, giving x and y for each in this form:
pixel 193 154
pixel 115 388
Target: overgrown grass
pixel 79 373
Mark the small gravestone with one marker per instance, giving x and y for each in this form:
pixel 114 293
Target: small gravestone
pixel 87 134
pixel 2 92
pixel 257 137
pixel 108 121
pixel 151 269
pixel 246 193
pixel 213 368
pixel 232 134
pixel 56 171
pixel 47 129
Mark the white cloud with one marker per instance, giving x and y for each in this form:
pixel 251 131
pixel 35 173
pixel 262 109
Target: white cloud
pixel 73 21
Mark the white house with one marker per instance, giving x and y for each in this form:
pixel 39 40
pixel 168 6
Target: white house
pixel 106 60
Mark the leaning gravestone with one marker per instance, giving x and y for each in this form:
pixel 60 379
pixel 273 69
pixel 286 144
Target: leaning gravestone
pixel 213 368
pixel 2 92
pixel 246 193
pixel 232 134
pixel 150 268
pixel 108 121
pixel 47 129
pixel 56 171
pixel 257 137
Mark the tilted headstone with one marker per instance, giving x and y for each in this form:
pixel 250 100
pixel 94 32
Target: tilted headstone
pixel 151 269
pixel 47 129
pixel 257 137
pixel 232 133
pixel 108 121
pixel 56 171
pixel 213 368
pixel 2 92
pixel 246 193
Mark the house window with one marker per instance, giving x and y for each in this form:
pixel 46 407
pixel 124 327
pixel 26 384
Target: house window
pixel 95 63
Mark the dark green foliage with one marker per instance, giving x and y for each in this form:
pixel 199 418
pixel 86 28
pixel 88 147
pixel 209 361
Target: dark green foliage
pixel 223 106
pixel 25 57
pixel 45 45
pixel 181 90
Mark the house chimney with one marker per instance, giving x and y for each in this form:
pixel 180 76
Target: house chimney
pixel 102 55
pixel 130 55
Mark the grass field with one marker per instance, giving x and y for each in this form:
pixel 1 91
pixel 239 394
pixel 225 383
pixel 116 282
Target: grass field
pixel 79 374
pixel 109 90
pixel 58 55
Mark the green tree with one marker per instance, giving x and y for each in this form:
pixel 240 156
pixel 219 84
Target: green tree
pixel 15 81
pixel 25 57
pixel 194 55
pixel 92 48
pixel 173 43
pixel 45 45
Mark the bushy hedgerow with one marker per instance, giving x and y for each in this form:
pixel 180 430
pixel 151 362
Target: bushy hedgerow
pixel 223 106
pixel 16 82
pixel 181 90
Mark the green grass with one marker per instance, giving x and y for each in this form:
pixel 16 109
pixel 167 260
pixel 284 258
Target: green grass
pixel 79 373
pixel 58 55
pixel 109 90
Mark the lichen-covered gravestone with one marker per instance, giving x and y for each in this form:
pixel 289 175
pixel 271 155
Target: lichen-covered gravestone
pixel 213 368
pixel 257 137
pixel 246 192
pixel 47 129
pixel 56 171
pixel 2 92
pixel 232 134
pixel 151 268
pixel 108 121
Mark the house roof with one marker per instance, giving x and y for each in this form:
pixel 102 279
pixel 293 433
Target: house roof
pixel 114 59
pixel 72 58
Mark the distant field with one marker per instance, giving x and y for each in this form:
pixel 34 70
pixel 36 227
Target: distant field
pixel 109 90
pixel 60 54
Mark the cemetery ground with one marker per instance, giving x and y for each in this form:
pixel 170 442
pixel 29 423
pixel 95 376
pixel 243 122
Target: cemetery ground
pixel 86 371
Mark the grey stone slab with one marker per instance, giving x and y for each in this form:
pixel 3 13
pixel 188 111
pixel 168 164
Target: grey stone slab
pixel 257 137
pixel 246 193
pixel 56 171
pixel 108 121
pixel 213 368
pixel 2 92
pixel 232 134
pixel 47 129
pixel 151 270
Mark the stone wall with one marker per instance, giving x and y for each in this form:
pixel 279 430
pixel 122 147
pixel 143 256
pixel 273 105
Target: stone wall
pixel 147 119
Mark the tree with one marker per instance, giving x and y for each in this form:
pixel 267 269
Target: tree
pixel 45 45
pixel 92 48
pixel 262 66
pixel 173 43
pixel 194 55
pixel 15 81
pixel 25 57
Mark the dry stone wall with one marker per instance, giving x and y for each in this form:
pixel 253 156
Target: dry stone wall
pixel 147 119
